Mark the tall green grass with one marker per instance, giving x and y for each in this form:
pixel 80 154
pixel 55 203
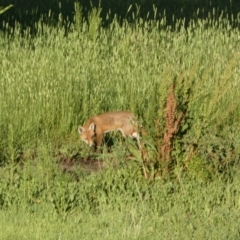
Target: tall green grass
pixel 52 83
pixel 4 9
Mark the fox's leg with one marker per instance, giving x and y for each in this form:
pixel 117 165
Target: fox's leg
pixel 137 137
pixel 99 139
pixel 133 134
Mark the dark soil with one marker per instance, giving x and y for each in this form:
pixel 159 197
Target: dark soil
pixel 90 164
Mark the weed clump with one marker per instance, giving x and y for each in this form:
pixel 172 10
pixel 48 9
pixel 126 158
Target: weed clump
pixel 172 121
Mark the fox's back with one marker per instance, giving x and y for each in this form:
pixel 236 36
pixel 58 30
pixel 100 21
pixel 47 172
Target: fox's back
pixel 113 120
pixel 115 116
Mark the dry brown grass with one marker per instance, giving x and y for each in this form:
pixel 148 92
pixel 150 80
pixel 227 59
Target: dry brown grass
pixel 172 124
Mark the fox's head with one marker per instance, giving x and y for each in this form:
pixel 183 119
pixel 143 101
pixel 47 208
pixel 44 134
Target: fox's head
pixel 87 134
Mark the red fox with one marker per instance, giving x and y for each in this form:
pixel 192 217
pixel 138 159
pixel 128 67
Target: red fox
pixel 107 122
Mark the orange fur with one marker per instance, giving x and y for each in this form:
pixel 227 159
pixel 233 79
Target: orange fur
pixel 108 122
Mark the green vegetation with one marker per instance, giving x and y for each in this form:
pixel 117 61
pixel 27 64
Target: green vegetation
pixel 2 9
pixel 53 186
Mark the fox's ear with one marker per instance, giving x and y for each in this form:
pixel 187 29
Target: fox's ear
pixel 81 129
pixel 91 127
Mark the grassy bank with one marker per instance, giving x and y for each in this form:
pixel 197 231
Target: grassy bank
pixel 125 208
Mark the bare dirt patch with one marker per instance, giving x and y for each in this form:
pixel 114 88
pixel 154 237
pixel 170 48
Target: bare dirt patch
pixel 90 164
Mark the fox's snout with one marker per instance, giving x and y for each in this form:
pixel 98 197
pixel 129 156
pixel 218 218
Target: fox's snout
pixel 90 143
